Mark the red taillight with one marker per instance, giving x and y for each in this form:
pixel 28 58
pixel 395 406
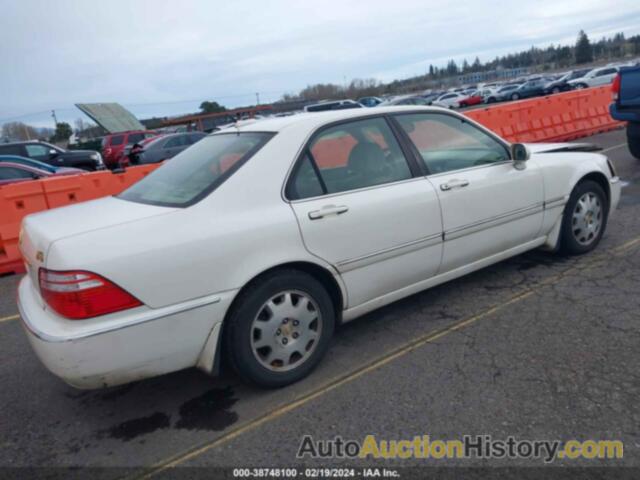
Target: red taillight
pixel 78 295
pixel 615 87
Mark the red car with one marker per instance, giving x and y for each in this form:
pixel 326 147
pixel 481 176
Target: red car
pixel 17 172
pixel 113 145
pixel 474 99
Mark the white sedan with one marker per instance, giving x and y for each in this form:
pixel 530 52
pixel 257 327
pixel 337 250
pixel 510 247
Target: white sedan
pixel 449 100
pixel 250 246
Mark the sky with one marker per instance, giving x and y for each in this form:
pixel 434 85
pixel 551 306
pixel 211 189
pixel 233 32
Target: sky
pixel 164 57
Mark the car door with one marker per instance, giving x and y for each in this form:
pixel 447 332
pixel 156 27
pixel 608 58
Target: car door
pixel 488 206
pixel 363 206
pixel 604 76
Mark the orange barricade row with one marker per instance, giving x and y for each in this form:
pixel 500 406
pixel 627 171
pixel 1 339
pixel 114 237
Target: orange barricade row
pixel 555 118
pixel 20 199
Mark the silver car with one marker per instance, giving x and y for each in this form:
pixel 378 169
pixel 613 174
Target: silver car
pixel 163 147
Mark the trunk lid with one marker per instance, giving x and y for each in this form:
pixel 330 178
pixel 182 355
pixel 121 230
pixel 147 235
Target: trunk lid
pixel 40 230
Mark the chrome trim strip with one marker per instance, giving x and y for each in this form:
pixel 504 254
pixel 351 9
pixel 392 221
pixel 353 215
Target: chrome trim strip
pixel 493 221
pixel 138 319
pixel 472 168
pixel 356 190
pixel 556 202
pixel 347 265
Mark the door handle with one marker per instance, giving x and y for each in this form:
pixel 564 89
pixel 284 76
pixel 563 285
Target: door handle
pixel 328 210
pixel 455 183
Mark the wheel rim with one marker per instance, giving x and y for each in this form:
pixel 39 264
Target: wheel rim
pixel 587 219
pixel 286 331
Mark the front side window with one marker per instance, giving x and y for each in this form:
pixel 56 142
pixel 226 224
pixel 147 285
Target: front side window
pixel 349 156
pixel 37 151
pixel 196 171
pixel 448 143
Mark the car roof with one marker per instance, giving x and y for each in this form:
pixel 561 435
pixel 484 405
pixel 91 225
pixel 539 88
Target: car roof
pixel 313 120
pixel 23 142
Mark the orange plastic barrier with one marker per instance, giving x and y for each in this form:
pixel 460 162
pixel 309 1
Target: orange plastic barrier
pixel 20 199
pixel 556 118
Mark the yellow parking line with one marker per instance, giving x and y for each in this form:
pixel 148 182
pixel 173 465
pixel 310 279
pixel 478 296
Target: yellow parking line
pixel 403 350
pixel 9 318
pixel 613 148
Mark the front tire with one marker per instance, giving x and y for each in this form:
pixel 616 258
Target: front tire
pixel 584 219
pixel 279 328
pixel 633 139
pixel 515 96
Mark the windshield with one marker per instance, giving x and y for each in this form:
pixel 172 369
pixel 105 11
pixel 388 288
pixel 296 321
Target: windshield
pixel 197 171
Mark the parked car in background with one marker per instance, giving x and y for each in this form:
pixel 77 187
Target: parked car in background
pixel 448 100
pixel 430 97
pixel 114 144
pixel 332 105
pixel 530 88
pixel 562 84
pixel 353 210
pixel 500 94
pixel 163 147
pixel 474 98
pixel 626 105
pixel 29 162
pixel 404 100
pixel 595 77
pixel 12 172
pixel 54 155
pixel 370 101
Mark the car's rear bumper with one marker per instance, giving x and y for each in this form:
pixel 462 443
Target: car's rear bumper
pixel 624 115
pixel 117 349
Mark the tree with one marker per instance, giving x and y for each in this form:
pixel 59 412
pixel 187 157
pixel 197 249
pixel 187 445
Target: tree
pixel 476 66
pixel 583 50
pixel 62 133
pixel 211 107
pixel 19 131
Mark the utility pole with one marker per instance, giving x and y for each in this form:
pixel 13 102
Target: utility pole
pixel 257 98
pixel 55 119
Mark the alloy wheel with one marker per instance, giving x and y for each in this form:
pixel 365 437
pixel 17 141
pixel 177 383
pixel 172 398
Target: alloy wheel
pixel 586 220
pixel 286 330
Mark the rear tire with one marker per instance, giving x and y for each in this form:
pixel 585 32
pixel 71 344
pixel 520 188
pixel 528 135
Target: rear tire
pixel 279 328
pixel 584 219
pixel 633 139
pixel 555 90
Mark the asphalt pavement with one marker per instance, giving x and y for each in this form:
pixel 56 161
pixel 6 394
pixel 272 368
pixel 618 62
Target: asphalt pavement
pixel 536 347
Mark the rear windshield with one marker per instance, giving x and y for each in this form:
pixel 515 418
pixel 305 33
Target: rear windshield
pixel 197 171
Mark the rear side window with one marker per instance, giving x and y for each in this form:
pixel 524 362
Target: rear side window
pixel 178 141
pixel 196 171
pixel 135 138
pixel 349 156
pixel 10 150
pixel 11 173
pixel 117 140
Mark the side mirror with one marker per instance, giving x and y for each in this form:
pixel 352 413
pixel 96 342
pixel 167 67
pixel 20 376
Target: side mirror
pixel 53 153
pixel 520 154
